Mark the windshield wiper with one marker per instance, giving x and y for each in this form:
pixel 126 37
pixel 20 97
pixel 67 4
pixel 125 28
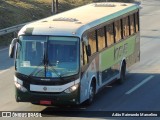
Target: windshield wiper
pixel 55 71
pixel 43 63
pixel 35 71
pixel 48 64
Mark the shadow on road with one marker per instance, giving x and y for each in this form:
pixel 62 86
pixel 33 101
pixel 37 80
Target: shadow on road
pixel 113 98
pixel 74 112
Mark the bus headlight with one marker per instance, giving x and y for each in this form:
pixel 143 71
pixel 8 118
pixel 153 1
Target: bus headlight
pixel 71 89
pixel 20 87
pixel 19 84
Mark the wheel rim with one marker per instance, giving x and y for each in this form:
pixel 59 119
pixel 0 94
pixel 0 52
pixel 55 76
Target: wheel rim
pixel 91 93
pixel 123 72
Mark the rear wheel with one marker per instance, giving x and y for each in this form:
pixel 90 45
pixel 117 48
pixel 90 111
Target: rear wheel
pixel 123 73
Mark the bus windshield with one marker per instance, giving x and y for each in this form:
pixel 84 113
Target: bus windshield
pixel 43 56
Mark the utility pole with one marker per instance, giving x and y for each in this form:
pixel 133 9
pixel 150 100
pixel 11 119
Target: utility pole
pixel 52 11
pixel 54 6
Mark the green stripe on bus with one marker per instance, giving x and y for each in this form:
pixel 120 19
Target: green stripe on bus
pixel 116 53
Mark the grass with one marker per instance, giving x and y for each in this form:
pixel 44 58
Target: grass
pixel 14 12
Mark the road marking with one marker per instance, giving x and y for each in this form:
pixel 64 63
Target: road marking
pixel 139 85
pixel 4 71
pixel 3 49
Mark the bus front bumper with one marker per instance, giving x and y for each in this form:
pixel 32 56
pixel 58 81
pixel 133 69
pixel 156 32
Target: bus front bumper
pixel 48 98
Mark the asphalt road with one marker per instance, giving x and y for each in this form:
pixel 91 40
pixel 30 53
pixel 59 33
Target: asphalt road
pixel 140 92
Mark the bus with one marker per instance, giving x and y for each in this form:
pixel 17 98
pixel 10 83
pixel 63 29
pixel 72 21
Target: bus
pixel 65 59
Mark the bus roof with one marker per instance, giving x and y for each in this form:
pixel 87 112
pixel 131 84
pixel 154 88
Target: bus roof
pixel 74 22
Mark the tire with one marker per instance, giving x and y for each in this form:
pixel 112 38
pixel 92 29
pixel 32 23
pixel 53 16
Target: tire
pixel 92 91
pixel 123 73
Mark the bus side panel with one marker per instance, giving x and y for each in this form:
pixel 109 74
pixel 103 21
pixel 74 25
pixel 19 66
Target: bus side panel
pixel 90 72
pixel 111 57
pixel 135 57
pixel 106 64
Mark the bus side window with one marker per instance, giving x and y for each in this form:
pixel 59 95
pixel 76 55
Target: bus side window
pixel 110 36
pixel 92 41
pixel 121 21
pixel 136 21
pixel 117 28
pixel 101 38
pixel 85 59
pixel 125 27
pixel 132 28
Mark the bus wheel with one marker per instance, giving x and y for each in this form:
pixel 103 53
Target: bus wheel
pixel 123 73
pixel 92 91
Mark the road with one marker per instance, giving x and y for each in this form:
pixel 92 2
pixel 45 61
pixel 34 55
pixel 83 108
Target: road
pixel 140 92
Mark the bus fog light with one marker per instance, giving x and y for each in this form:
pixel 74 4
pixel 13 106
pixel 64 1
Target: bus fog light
pixel 20 87
pixel 71 89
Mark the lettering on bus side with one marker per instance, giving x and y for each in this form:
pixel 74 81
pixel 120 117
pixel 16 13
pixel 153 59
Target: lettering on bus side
pixel 120 51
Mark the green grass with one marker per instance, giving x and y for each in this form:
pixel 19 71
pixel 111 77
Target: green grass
pixel 14 12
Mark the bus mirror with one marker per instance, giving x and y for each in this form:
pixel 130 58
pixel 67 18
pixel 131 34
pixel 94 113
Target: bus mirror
pixel 12 47
pixel 88 50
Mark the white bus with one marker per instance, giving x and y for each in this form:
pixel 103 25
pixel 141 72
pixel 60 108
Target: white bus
pixel 66 58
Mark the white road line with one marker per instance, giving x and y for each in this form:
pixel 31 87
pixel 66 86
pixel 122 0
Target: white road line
pixel 4 71
pixel 4 49
pixel 139 85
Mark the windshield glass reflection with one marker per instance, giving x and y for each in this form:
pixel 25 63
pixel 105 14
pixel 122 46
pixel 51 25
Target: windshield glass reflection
pixel 43 56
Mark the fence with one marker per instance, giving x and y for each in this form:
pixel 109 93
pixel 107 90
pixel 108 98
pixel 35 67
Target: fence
pixel 11 29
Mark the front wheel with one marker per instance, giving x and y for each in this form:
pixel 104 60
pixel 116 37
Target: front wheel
pixel 123 73
pixel 92 91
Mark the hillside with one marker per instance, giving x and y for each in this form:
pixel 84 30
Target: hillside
pixel 13 12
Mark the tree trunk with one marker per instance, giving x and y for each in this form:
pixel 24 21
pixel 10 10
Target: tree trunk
pixel 56 7
pixel 53 7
